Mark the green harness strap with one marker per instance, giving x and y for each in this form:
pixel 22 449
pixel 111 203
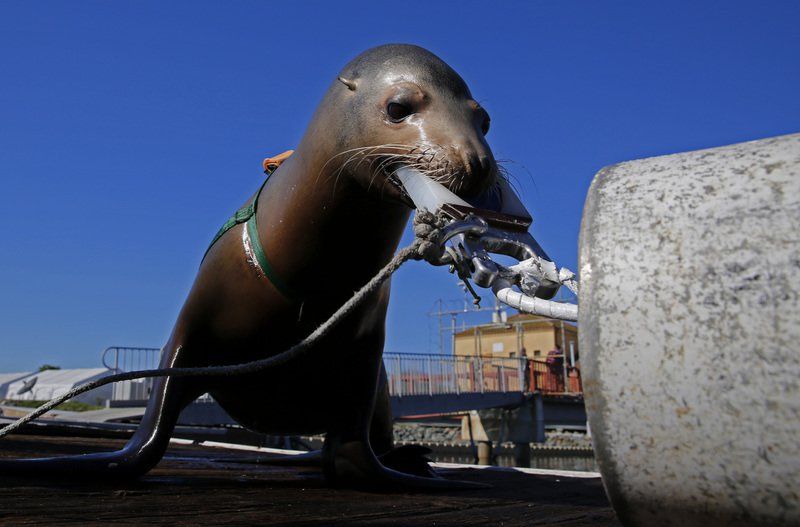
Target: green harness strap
pixel 247 214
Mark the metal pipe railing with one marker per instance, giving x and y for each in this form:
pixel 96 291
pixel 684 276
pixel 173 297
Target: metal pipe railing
pixel 423 374
pixel 124 358
pixel 408 374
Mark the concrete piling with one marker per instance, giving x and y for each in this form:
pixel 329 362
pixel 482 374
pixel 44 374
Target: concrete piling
pixel 690 334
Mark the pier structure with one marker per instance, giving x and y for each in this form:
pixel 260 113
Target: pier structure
pixel 510 399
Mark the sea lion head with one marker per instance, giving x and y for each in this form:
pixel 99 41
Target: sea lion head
pixel 400 104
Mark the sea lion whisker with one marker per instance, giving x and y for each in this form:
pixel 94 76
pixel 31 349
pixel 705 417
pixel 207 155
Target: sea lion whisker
pixel 357 150
pixel 443 174
pixel 337 174
pixel 391 159
pixel 344 165
pixel 362 153
pixel 380 168
pixel 364 150
pixel 504 172
pixel 461 180
pixel 366 156
pixel 523 167
pixel 388 161
pixel 331 159
pixel 514 183
pixel 383 160
pixel 378 172
pixel 494 190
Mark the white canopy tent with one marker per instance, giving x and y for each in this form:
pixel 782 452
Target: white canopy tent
pixel 7 378
pixel 52 383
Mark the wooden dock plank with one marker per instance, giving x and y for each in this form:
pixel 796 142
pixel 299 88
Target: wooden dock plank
pixel 200 485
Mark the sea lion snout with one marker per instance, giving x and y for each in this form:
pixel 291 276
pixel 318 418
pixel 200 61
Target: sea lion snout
pixel 476 170
pixel 398 105
pixel 477 160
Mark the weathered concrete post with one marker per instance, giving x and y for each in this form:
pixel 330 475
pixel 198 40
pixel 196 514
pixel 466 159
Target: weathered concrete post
pixel 484 452
pixel 522 455
pixel 690 334
pixel 538 416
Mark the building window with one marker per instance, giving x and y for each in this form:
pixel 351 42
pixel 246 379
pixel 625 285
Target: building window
pixel 497 347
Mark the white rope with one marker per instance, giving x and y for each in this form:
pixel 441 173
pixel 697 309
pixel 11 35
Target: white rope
pixel 407 253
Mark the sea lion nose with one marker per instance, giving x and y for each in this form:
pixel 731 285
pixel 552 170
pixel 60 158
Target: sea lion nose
pixel 472 165
pixel 481 162
pixel 479 170
pixel 486 165
pixel 477 161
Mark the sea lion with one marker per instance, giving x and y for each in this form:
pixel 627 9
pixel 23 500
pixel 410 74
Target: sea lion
pixel 325 221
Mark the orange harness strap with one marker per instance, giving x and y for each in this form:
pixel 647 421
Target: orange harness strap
pixel 272 163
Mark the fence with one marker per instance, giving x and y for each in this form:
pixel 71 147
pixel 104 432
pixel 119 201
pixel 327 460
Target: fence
pixel 120 359
pixel 407 373
pixel 418 374
pixel 550 379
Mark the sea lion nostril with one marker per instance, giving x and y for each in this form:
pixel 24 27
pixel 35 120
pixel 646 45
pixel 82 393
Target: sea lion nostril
pixel 475 165
pixel 480 166
pixel 485 164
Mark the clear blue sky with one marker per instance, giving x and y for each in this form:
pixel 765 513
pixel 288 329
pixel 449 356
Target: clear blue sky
pixel 129 131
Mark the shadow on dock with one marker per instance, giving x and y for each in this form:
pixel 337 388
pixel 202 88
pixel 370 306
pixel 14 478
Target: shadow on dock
pixel 196 484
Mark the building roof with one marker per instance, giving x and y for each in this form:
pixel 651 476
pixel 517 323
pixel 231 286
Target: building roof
pixel 6 379
pixel 524 318
pixel 50 382
pixel 11 377
pixel 70 377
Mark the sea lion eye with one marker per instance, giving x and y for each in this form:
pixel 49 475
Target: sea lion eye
pixel 397 112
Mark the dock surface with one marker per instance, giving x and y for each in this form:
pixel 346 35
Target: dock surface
pixel 212 486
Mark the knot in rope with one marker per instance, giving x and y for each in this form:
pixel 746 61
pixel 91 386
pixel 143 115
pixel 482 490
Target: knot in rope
pixel 428 232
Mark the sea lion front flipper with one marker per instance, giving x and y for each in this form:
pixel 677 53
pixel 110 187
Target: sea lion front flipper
pixel 348 454
pixel 354 464
pixel 409 459
pixel 141 453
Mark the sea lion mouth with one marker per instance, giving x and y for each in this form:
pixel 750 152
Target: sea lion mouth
pixel 375 167
pixel 425 160
pixel 393 190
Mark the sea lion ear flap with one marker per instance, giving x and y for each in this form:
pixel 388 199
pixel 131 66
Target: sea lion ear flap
pixel 351 84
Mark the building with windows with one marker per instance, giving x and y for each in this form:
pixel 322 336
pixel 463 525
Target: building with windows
pixel 519 335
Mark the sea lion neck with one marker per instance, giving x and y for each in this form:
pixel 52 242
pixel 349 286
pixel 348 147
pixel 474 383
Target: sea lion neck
pixel 336 231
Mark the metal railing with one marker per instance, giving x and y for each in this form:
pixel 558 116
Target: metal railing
pixel 418 374
pixel 408 374
pixel 547 378
pixel 121 359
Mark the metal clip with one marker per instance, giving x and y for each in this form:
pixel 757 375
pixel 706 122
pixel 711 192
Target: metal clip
pixel 468 237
